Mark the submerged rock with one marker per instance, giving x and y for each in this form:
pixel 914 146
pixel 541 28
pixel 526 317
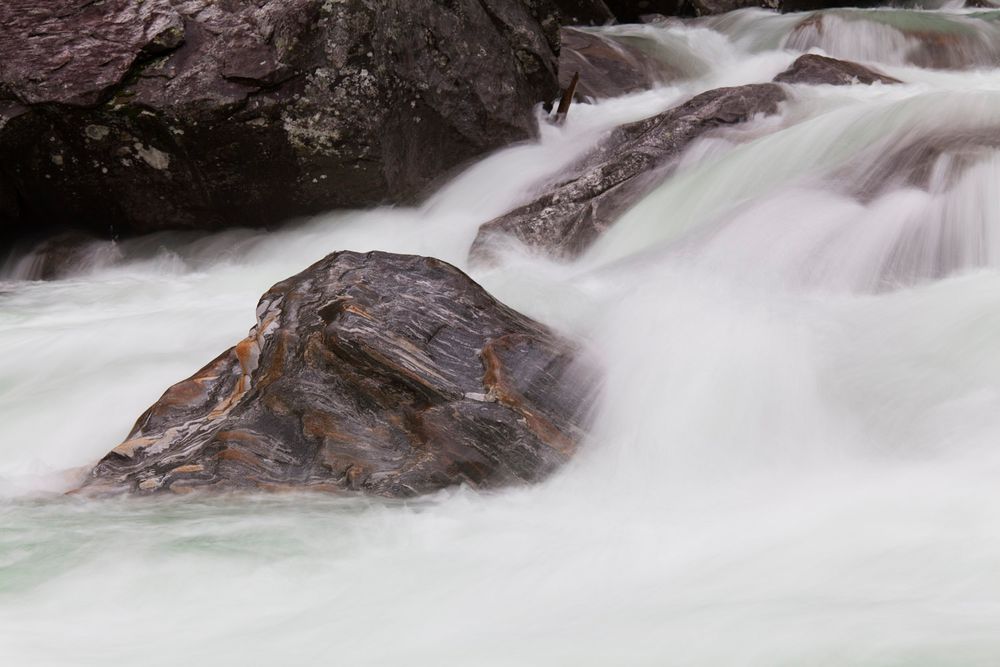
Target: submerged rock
pixel 57 257
pixel 574 211
pixel 632 11
pixel 933 162
pixel 383 374
pixel 813 69
pixel 127 117
pixel 923 39
pixel 608 67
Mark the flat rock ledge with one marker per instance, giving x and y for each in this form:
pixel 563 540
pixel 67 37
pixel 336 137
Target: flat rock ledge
pixel 378 374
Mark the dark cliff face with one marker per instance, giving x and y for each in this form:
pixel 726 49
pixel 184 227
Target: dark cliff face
pixel 134 117
pixel 382 374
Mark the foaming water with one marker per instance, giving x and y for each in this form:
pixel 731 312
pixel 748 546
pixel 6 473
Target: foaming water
pixel 794 461
pixel 955 39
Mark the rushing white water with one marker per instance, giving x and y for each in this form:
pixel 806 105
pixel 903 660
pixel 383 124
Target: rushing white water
pixel 794 463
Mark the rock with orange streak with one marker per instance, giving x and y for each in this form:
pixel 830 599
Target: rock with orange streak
pixel 380 374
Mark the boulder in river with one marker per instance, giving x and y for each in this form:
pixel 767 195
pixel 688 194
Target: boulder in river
pixel 128 117
pixel 924 39
pixel 815 69
pixel 631 11
pixel 382 374
pixel 608 65
pixel 714 7
pixel 570 214
pixel 932 162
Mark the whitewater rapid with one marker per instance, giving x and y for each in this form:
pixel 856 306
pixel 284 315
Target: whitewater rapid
pixel 794 461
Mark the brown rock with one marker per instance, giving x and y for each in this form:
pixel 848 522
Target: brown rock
pixel 813 69
pixel 933 41
pixel 919 162
pixel 382 374
pixel 608 66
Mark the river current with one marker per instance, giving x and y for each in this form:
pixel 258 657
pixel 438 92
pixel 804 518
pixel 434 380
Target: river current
pixel 794 461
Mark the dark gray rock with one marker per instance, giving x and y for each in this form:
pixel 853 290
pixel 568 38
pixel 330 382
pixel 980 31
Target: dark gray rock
pixel 575 210
pixel 381 374
pixel 630 11
pixel 123 116
pixel 584 12
pixel 813 69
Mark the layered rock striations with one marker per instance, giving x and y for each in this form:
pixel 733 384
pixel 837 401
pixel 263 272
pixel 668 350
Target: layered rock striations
pixel 381 374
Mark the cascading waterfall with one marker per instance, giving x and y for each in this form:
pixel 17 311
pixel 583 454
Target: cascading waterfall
pixel 794 460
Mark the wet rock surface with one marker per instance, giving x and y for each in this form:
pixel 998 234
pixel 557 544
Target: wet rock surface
pixel 933 163
pixel 923 39
pixel 381 374
pixel 632 11
pixel 574 211
pixel 584 12
pixel 128 117
pixel 57 257
pixel 815 5
pixel 608 67
pixel 714 7
pixel 814 69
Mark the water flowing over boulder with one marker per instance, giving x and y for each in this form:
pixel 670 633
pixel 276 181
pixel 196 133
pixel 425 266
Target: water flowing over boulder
pixel 932 162
pixel 631 11
pixel 714 7
pixel 122 116
pixel 813 69
pixel 815 5
pixel 924 39
pixel 382 374
pixel 608 67
pixel 574 211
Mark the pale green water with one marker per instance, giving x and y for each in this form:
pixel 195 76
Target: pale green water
pixel 795 462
